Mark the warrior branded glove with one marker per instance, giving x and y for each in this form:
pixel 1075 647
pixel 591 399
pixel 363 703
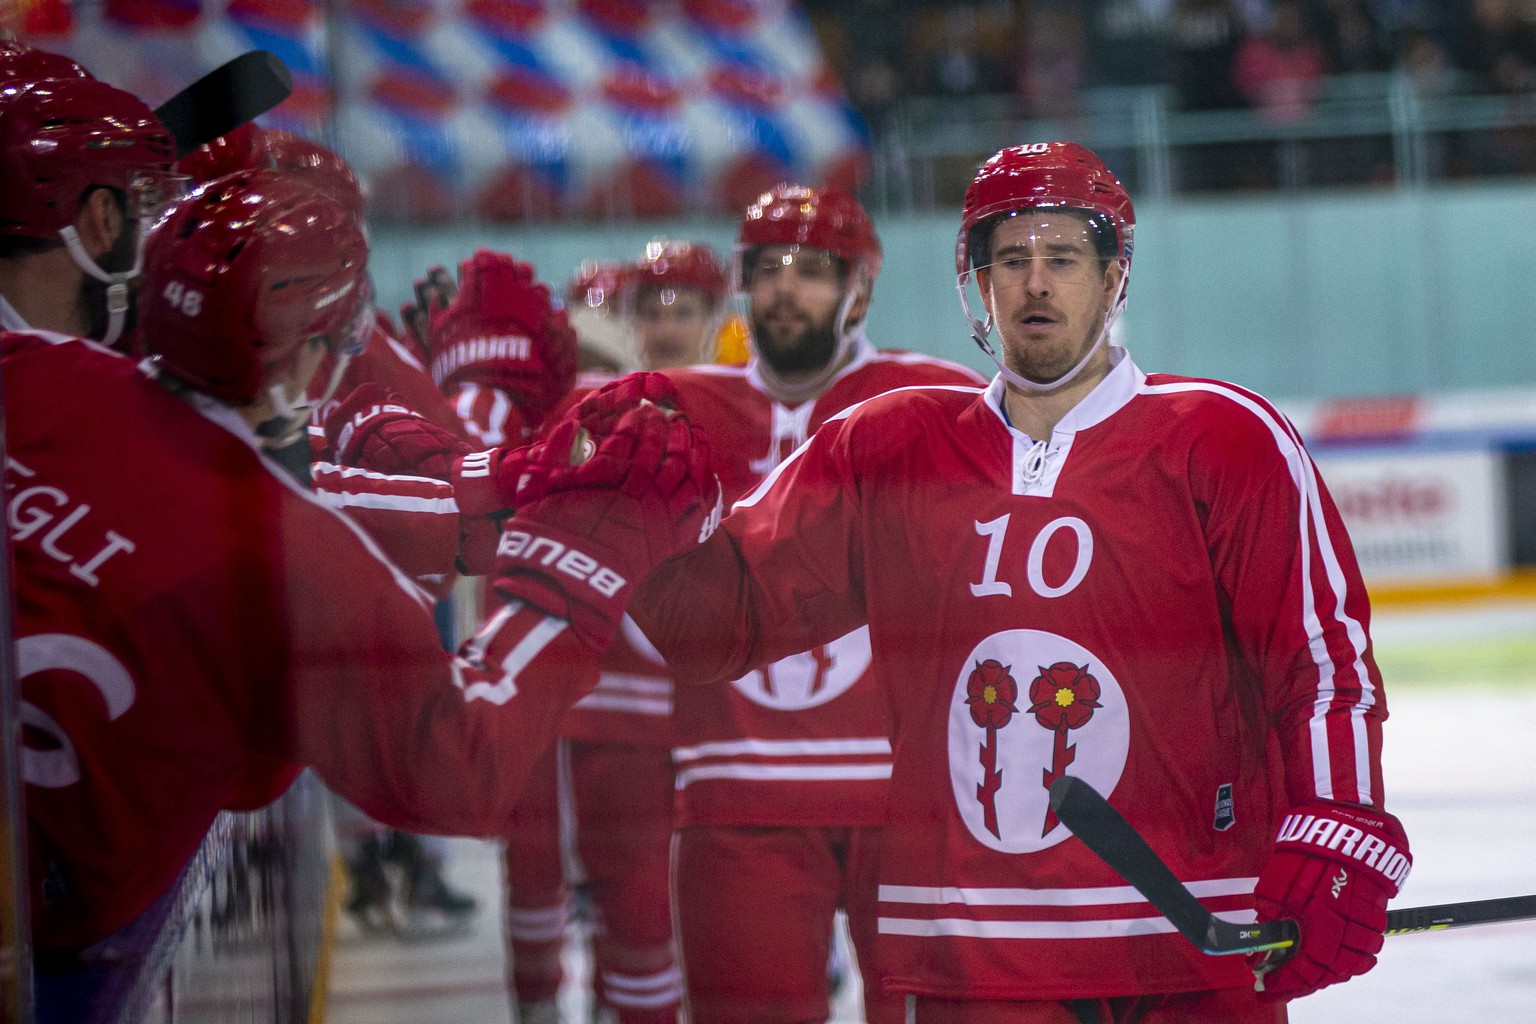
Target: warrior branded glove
pixel 1333 869
pixel 597 513
pixel 498 330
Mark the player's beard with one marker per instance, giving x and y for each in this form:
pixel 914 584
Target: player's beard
pixel 789 353
pixel 93 293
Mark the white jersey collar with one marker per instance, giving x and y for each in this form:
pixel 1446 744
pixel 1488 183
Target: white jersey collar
pixel 1111 394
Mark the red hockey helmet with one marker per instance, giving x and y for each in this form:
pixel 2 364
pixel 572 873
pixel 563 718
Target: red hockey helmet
pixel 819 218
pixel 319 166
pixel 597 284
pixel 63 136
pixel 241 273
pixel 242 149
pixel 21 65
pixel 1043 174
pixel 669 264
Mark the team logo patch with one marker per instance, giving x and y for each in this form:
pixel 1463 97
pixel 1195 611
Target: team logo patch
pixel 809 679
pixel 1001 769
pixel 1224 818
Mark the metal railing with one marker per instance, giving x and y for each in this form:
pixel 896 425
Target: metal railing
pixel 1373 129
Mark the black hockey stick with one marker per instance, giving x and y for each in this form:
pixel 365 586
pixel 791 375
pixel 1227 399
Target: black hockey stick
pixel 225 98
pixel 1111 837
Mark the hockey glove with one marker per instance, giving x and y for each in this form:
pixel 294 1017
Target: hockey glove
pixel 597 513
pixel 373 429
pixel 601 409
pixel 500 331
pixel 1333 869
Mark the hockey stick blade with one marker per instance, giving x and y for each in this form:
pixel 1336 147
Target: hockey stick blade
pixel 1102 829
pixel 227 97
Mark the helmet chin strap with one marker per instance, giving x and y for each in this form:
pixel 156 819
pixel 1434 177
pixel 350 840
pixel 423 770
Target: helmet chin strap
pixel 117 283
pixel 981 331
pixel 290 418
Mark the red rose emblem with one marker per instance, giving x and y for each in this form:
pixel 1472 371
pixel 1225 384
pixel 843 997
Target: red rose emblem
pixel 991 694
pixel 1063 695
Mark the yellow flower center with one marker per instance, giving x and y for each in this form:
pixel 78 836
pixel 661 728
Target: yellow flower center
pixel 989 693
pixel 1065 697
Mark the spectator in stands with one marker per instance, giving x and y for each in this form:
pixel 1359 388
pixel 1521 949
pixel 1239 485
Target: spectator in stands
pixel 1353 36
pixel 1127 42
pixel 1049 75
pixel 1204 35
pixel 877 49
pixel 1280 70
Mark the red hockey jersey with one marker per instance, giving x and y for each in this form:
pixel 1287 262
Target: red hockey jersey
pixel 804 740
pixel 192 626
pixel 1160 599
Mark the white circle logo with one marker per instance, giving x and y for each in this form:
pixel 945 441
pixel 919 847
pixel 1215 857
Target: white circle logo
pixel 1028 707
pixel 809 679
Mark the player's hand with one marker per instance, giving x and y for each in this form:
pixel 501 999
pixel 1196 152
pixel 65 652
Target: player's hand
pixel 1333 869
pixel 597 512
pixel 373 429
pixel 499 330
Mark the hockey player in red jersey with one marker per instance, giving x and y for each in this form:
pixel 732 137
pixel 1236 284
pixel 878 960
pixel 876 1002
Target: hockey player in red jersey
pixel 781 775
pixel 84 165
pixel 675 298
pixel 1137 579
pixel 610 783
pixel 192 626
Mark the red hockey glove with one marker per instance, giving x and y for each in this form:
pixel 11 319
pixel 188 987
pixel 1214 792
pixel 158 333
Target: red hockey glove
pixel 1333 869
pixel 500 331
pixel 601 409
pixel 597 513
pixel 373 429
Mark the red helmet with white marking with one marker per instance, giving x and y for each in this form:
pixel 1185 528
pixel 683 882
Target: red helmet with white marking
pixel 1043 176
pixel 239 276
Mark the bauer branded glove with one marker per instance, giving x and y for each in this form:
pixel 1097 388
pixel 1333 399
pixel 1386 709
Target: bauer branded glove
pixel 1333 869
pixel 601 409
pixel 499 330
pixel 597 513
pixel 373 429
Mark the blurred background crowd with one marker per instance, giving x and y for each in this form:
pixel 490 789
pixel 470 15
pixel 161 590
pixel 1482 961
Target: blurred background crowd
pixel 616 110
